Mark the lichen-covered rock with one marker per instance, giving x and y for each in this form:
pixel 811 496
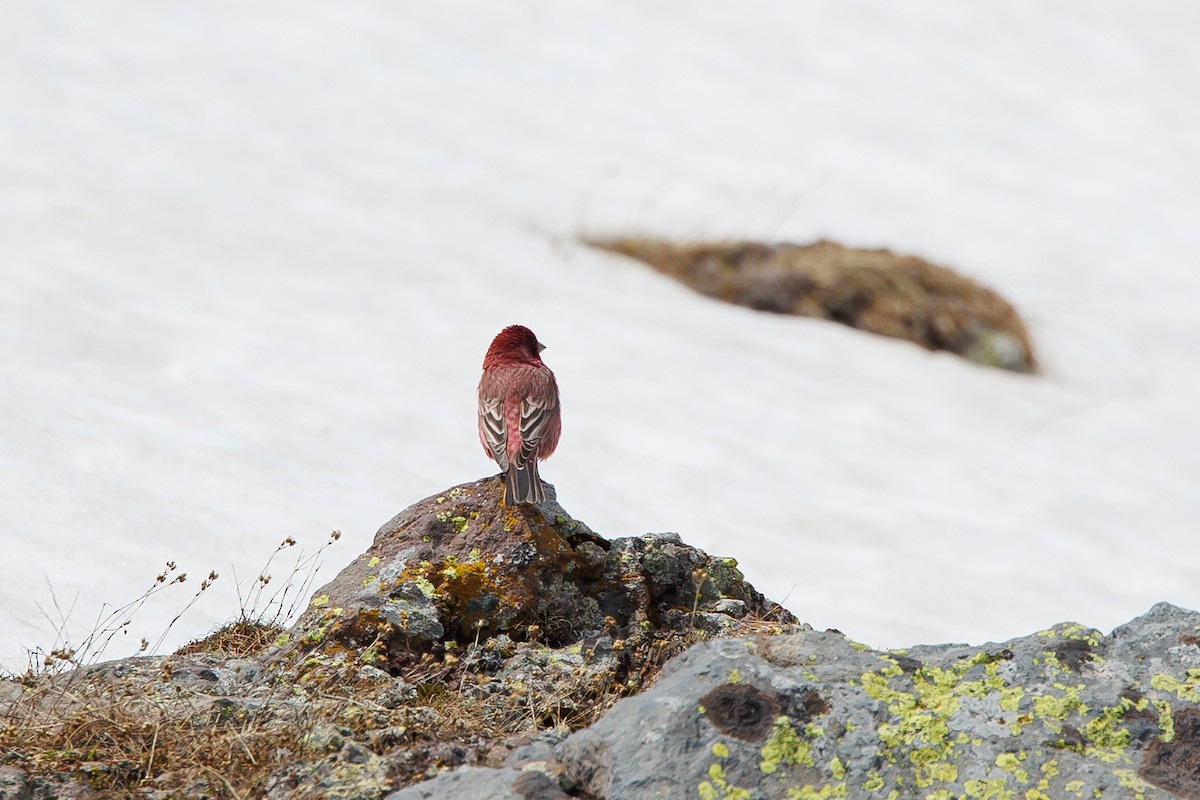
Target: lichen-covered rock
pixel 462 567
pixel 878 291
pixel 1064 713
pixel 382 686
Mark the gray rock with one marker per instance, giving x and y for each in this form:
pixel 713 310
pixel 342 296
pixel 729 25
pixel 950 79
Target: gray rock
pixel 1063 713
pixel 14 784
pixel 469 782
pixel 461 568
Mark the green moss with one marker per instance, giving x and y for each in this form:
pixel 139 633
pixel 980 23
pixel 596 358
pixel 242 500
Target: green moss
pixel 735 675
pixel 720 750
pixel 322 600
pixel 1074 787
pixel 837 769
pixel 281 640
pixel 460 524
pixel 374 562
pixel 784 747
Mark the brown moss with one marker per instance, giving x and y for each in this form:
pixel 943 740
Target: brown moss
pixel 740 710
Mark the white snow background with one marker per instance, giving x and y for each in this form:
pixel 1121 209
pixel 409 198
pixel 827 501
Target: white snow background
pixel 252 255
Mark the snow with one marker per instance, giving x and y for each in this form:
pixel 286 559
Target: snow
pixel 252 255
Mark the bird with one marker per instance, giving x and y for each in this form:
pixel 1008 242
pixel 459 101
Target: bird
pixel 519 420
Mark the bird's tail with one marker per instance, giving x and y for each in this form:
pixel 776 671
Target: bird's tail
pixel 522 486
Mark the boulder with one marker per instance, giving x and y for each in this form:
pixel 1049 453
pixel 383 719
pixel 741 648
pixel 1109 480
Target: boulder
pixel 461 567
pixel 1064 713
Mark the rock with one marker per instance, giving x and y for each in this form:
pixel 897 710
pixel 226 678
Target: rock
pixel 563 624
pixel 474 782
pixel 878 291
pixel 460 567
pixel 1065 712
pixel 14 784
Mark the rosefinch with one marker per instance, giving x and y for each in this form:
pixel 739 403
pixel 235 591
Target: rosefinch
pixel 518 412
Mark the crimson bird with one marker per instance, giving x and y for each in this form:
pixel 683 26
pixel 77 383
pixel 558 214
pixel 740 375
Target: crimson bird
pixel 519 419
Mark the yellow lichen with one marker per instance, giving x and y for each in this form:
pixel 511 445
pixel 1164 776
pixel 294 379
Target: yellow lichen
pixel 1188 690
pixel 991 789
pixel 784 747
pixel 1106 739
pixel 1166 722
pixel 718 788
pixel 1129 779
pixel 1053 709
pixel 1012 762
pixel 830 791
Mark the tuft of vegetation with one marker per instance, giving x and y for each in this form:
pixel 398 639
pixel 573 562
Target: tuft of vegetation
pixel 878 291
pixel 238 639
pixel 214 719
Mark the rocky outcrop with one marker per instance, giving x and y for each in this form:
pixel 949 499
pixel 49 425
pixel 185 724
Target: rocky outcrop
pixel 512 654
pixel 1063 713
pixel 469 633
pixel 461 568
pixel 878 291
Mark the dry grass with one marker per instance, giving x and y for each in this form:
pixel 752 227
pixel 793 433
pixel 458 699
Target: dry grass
pixel 189 724
pixel 116 732
pixel 237 639
pixel 125 726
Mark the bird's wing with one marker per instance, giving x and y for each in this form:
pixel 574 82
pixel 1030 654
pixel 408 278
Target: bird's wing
pixel 537 415
pixel 492 429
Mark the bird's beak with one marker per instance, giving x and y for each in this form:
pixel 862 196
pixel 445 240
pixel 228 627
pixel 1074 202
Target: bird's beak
pixel 541 347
